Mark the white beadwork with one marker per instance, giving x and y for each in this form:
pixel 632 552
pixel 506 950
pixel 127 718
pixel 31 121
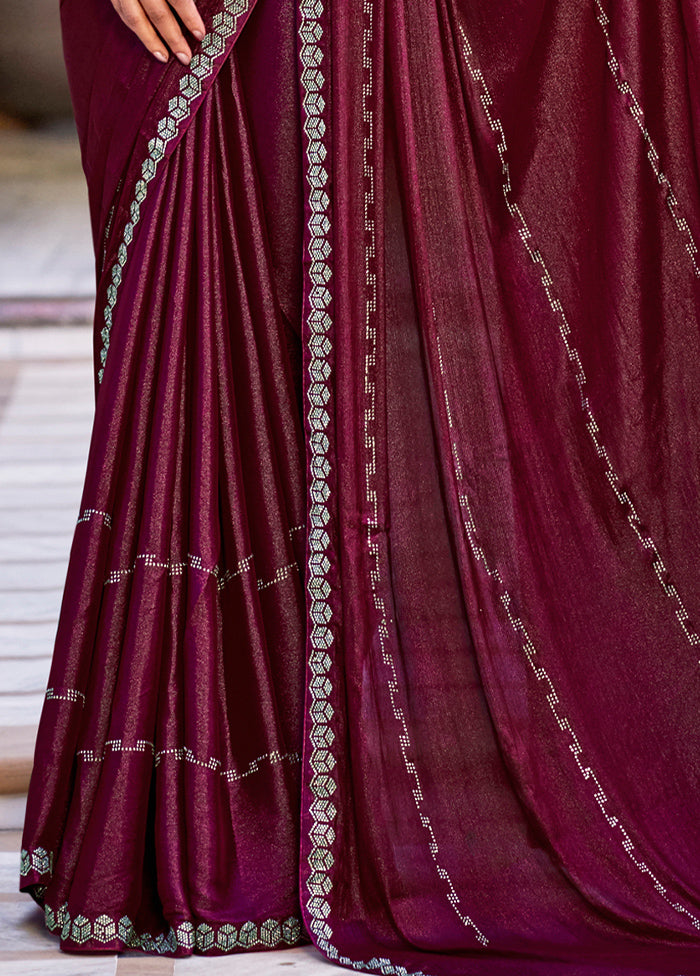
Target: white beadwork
pixel 384 630
pixel 65 694
pixel 635 110
pixel 541 674
pixel 89 513
pixel 185 754
pixel 573 358
pixel 174 567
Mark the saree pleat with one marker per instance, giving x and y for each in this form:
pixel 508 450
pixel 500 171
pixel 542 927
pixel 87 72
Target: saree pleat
pixel 188 689
pixel 380 621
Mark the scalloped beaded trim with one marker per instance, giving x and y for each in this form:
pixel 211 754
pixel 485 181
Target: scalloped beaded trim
pixel 186 935
pixel 202 937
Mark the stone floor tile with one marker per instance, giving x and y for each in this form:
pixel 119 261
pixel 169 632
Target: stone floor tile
pixel 24 674
pixel 16 710
pixel 12 807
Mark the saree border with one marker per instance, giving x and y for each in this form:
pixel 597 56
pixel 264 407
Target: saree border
pixel 186 936
pixel 320 758
pixel 317 331
pixel 169 128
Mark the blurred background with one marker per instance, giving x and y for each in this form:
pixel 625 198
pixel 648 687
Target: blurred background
pixel 45 249
pixel 46 407
pixel 32 79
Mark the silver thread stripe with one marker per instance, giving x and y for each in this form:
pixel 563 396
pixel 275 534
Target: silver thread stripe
pixel 541 674
pixel 370 467
pixel 635 110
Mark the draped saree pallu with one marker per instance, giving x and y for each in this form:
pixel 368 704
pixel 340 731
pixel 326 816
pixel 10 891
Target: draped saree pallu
pixel 381 627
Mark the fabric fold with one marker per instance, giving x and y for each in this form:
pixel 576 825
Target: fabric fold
pixel 181 668
pixel 381 622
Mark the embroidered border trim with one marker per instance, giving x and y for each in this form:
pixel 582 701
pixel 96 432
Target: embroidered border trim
pixel 573 357
pixel 323 809
pixel 319 322
pixel 637 113
pixel 223 27
pixel 541 673
pixel 177 567
pixel 202 937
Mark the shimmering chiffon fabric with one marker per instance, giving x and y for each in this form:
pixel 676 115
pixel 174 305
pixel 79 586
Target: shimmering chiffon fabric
pixel 382 619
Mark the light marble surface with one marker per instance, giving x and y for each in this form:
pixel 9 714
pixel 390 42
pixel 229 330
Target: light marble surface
pixel 25 674
pixel 140 965
pixel 302 961
pixel 45 378
pixel 33 499
pixel 16 449
pixel 19 547
pixel 20 709
pixel 10 840
pixel 53 964
pixel 22 925
pixel 12 807
pixel 47 575
pixel 34 639
pixel 45 428
pixel 47 472
pixel 33 430
pixel 9 872
pixel 35 604
pixel 38 411
pixel 55 520
pixel 56 342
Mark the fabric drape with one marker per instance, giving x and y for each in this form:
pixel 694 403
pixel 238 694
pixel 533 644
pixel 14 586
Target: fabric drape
pixel 381 625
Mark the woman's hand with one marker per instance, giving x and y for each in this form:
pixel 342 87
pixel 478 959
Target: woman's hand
pixel 155 24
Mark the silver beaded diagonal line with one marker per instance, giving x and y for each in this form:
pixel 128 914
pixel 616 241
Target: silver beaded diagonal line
pixel 573 357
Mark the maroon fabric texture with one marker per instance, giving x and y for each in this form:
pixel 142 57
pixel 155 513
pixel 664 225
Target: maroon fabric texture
pixel 381 624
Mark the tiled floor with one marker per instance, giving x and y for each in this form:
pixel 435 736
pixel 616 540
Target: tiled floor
pixel 46 404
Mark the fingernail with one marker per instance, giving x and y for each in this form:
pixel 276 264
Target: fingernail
pixel 161 55
pixel 199 34
pixel 185 58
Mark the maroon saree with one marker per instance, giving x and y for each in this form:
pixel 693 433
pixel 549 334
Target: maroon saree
pixel 381 625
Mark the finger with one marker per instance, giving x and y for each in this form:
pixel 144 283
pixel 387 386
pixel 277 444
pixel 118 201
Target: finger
pixel 165 22
pixel 131 12
pixel 190 17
